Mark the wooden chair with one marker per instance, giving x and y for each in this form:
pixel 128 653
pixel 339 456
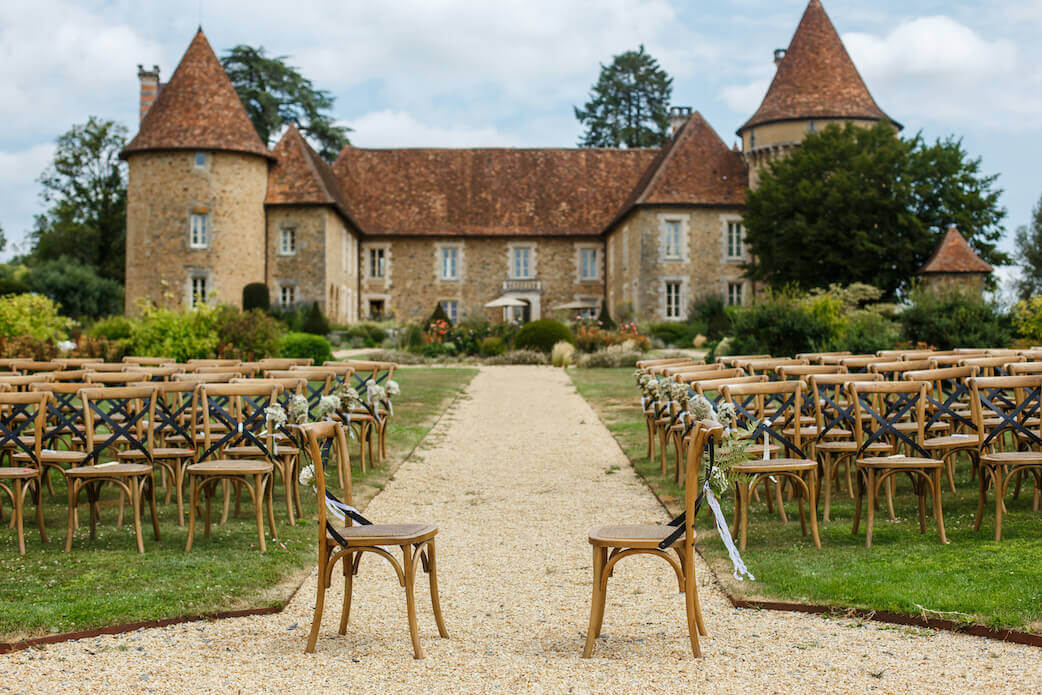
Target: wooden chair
pixel 149 361
pixel 105 367
pixel 29 366
pixel 784 400
pixel 733 360
pixel 64 435
pixel 768 366
pixel 136 406
pixel 948 403
pixel 283 363
pixel 718 373
pixel 22 419
pixel 119 378
pixel 1006 412
pixel 77 362
pixel 992 366
pixel 816 357
pixel 613 543
pixel 641 364
pixel 893 371
pixel 346 543
pixel 239 408
pixel 887 404
pixel 858 364
pixel 22 382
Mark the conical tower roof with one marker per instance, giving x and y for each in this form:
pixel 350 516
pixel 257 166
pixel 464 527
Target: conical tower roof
pixel 301 177
pixel 816 78
pixel 954 255
pixel 198 109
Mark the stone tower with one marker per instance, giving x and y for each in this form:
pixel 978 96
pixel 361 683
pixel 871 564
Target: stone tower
pixel 815 84
pixel 955 265
pixel 198 175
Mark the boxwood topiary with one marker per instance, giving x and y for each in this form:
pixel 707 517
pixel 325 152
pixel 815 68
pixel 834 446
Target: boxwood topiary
pixel 306 345
pixel 256 296
pixel 542 335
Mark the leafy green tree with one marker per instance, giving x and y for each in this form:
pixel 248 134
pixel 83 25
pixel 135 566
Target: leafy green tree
pixel 864 205
pixel 78 288
pixel 85 188
pixel 1029 254
pixel 629 105
pixel 3 239
pixel 276 94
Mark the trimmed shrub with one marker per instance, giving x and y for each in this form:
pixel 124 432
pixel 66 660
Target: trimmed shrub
pixel 519 357
pixel 604 318
pixel 1027 319
pixel 438 315
pixel 711 311
pixel 542 335
pixel 677 333
pixel 180 335
pixel 491 346
pixel 624 355
pixel 256 296
pixel 953 319
pixel 563 354
pixel 780 324
pixel 316 323
pixel 411 337
pixel 305 345
pixel 867 332
pixel 33 315
pixel 247 335
pixel 115 327
pixel 76 287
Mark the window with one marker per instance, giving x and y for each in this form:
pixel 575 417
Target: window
pixel 752 139
pixel 376 308
pixel 451 308
pixel 521 263
pixel 672 300
pixel 672 238
pixel 198 290
pixel 200 160
pixel 288 295
pixel 812 127
pixel 734 294
pixel 198 225
pixel 376 263
pixel 450 263
pixel 288 241
pixel 588 264
pixel 734 240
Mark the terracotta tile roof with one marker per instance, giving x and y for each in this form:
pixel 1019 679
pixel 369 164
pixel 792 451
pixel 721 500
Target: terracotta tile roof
pixel 301 177
pixel 816 78
pixel 488 192
pixel 954 255
pixel 197 109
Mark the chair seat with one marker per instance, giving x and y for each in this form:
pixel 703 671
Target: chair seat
pixel 953 441
pixel 846 447
pixel 109 470
pixel 772 465
pixel 384 534
pixel 631 536
pixel 158 453
pixel 900 462
pixel 1012 457
pixel 55 455
pixel 254 451
pixel 908 427
pixel 8 473
pixel 228 467
pixel 756 450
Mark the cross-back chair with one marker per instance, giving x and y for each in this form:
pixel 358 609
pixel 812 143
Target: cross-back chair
pixel 720 372
pixel 346 539
pixel 22 382
pixel 23 416
pixel 948 403
pixel 613 543
pixel 734 360
pixel 894 370
pixel 277 363
pixel 77 362
pixel 879 410
pixel 148 361
pixel 992 366
pixel 64 436
pixel 29 366
pixel 816 357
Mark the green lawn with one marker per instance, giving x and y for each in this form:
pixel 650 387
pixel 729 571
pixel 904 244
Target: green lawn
pixel 972 579
pixel 107 582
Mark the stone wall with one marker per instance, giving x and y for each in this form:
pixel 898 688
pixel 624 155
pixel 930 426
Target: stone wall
pixel 413 284
pixel 163 190
pixel 945 282
pixel 639 267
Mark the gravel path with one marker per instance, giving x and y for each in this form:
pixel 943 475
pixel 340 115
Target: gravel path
pixel 515 474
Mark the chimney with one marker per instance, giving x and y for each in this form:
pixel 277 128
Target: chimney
pixel 149 88
pixel 779 55
pixel 678 116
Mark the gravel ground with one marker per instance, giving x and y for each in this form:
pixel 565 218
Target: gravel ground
pixel 515 475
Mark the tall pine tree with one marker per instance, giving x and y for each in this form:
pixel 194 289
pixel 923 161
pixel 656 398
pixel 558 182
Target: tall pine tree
pixel 629 105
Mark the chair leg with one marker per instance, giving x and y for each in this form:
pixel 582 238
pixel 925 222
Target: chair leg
pixel 432 571
pixel 269 483
pixel 981 499
pixel 258 504
pixel 778 485
pixel 938 515
pixel 135 509
pixel 813 504
pixel 743 518
pixel 597 602
pixel 826 467
pixel 920 490
pixel 410 601
pixel 890 497
pixel 999 476
pixel 17 503
pixel 320 602
pixel 193 502
pixel 39 511
pixel 692 608
pixel 179 480
pixel 152 504
pixel 857 503
pixel 349 583
pixel 73 489
pixel 871 506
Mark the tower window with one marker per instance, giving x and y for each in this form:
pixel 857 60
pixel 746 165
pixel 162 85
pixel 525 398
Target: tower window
pixel 812 127
pixel 200 160
pixel 198 290
pixel 288 241
pixel 199 230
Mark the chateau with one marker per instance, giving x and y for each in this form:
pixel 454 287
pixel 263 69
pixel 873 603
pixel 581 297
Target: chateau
pixel 392 232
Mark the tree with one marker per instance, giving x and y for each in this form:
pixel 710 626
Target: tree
pixel 1029 252
pixel 864 205
pixel 76 287
pixel 629 105
pixel 3 239
pixel 276 94
pixel 86 189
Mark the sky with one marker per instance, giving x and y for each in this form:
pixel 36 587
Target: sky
pixel 455 73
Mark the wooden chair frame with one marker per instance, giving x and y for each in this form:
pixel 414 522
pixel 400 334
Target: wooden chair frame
pixel 22 419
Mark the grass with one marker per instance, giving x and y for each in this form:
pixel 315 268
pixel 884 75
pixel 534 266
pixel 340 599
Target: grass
pixel 973 579
pixel 106 582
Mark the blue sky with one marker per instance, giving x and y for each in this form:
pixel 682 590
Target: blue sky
pixel 456 73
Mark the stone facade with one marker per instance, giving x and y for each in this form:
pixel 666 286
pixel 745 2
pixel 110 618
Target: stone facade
pixel 164 191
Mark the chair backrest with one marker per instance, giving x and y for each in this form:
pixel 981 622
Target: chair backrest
pixel 1019 368
pixel 213 363
pixel 706 434
pixel 879 407
pixel 118 416
pixel 23 414
pixel 733 360
pixel 857 365
pixel 284 362
pixel 211 378
pixel 729 373
pixel 712 389
pixel 149 361
pixel 992 366
pixel 77 375
pixel 641 364
pixel 894 355
pixel 106 367
pixel 770 408
pixel 238 411
pixel 164 373
pixel 22 382
pixel 329 438
pixel 687 368
pixel 768 366
pixel 894 370
pixel 64 411
pixel 318 381
pixel 833 411
pixel 1007 404
pixel 379 372
pixel 815 357
pixel 947 396
pixel 214 369
pixel 27 366
pixel 176 409
pixel 802 371
pixel 77 362
pixel 838 358
pixel 342 371
pixel 660 369
pixel 114 378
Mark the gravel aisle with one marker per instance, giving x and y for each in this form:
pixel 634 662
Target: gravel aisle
pixel 515 475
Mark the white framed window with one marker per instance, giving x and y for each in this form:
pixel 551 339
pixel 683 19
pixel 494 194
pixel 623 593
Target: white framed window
pixel 451 308
pixel 672 241
pixel 673 290
pixel 287 241
pixel 588 264
pixel 198 290
pixel 521 263
pixel 199 230
pixel 377 263
pixel 449 263
pixel 515 313
pixel 288 295
pixel 200 160
pixel 734 294
pixel 735 240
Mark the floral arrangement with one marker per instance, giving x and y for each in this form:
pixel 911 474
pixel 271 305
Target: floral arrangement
pixel 437 329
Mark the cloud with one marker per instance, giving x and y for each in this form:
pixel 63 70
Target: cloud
pixel 390 128
pixel 745 98
pixel 18 173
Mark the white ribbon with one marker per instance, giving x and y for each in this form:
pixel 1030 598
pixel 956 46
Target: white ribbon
pixel 725 536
